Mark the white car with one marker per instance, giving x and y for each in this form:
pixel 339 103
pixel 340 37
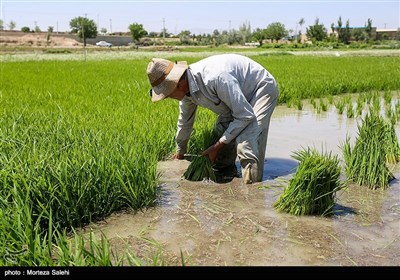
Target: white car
pixel 103 44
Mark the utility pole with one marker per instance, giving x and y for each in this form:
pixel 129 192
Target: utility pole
pixel 83 36
pixel 83 31
pixel 110 26
pixel 163 28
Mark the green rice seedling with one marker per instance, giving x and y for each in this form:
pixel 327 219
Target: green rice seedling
pixel 340 106
pixel 299 104
pixel 330 99
pixel 204 133
pixel 350 110
pixel 323 105
pixel 392 146
pixel 360 104
pixel 347 98
pixel 366 161
pixel 393 118
pixel 368 97
pixel 313 103
pixel 313 187
pixel 387 96
pixel 76 146
pixel 397 109
pixel 376 102
pixel 388 111
pixel 291 101
pixel 200 168
pixel 295 102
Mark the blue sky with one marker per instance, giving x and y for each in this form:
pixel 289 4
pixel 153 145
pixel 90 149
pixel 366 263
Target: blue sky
pixel 198 16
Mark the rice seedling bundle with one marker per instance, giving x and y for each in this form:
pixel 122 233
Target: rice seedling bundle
pixel 200 168
pixel 366 161
pixel 313 187
pixel 392 147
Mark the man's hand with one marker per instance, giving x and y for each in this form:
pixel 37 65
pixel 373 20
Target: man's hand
pixel 178 156
pixel 212 151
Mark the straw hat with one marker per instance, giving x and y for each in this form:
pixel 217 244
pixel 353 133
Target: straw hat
pixel 164 76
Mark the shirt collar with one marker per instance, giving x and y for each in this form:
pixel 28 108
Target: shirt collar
pixel 193 87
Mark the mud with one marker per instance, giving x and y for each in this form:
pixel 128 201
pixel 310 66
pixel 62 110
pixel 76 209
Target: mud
pixel 210 224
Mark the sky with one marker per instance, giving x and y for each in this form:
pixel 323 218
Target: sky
pixel 199 16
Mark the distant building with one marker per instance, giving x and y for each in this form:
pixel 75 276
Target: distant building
pixel 376 34
pixel 387 34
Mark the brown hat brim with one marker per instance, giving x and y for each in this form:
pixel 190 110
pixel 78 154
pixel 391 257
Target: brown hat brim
pixel 166 87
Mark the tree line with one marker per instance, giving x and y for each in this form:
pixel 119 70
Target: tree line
pixel 86 28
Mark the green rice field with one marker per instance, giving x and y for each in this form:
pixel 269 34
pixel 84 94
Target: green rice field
pixel 80 140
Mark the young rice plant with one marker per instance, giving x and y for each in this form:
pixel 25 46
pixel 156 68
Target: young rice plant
pixel 375 145
pixel 312 189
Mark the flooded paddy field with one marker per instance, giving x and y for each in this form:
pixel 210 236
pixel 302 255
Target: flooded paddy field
pixel 233 224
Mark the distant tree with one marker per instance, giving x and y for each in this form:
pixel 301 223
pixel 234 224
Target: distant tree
pixel 103 30
pixel 153 34
pixel 137 31
pixel 347 33
pixel 332 27
pixel 84 27
pixel 26 29
pixel 301 23
pixel 332 36
pixel 368 28
pixel 340 30
pixel 316 32
pixel 36 28
pixel 259 35
pixel 359 35
pixel 290 32
pixel 343 32
pixel 49 31
pixel 184 37
pixel 12 25
pixel 207 39
pixel 276 31
pixel 217 37
pixel 1 24
pixel 216 32
pixel 245 32
pixel 233 37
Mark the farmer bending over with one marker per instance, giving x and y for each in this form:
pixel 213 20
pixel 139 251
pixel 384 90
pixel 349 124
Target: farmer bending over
pixel 239 90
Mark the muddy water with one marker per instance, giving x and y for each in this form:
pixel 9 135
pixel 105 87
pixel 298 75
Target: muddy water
pixel 235 224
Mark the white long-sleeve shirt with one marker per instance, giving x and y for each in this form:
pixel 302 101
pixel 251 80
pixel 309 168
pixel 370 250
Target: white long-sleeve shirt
pixel 226 84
